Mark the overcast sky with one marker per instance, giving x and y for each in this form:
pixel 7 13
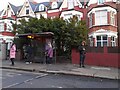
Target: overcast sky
pixel 3 3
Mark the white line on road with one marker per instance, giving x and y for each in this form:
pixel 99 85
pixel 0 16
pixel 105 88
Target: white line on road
pixel 11 85
pixel 28 80
pixel 41 76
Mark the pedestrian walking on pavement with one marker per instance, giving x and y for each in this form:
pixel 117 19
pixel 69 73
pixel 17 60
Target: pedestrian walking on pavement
pixel 12 53
pixel 82 52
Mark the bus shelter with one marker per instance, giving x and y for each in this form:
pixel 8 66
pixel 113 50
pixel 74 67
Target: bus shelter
pixel 38 41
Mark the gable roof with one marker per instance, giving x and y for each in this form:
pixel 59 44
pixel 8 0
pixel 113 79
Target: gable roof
pixel 15 8
pixel 47 4
pixel 33 6
pixel 59 4
pixel 1 12
pixel 84 2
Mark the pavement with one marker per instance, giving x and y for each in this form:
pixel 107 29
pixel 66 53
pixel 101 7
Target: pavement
pixel 65 68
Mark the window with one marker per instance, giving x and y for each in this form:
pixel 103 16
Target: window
pixel 101 17
pixel 102 40
pixel 68 16
pixel 70 4
pixel 91 41
pixel 90 20
pixel 112 18
pixel 9 12
pixel 100 1
pixel 27 10
pixel 79 18
pixel 41 8
pixel 1 27
pixel 54 5
pixel 9 27
pixel 113 41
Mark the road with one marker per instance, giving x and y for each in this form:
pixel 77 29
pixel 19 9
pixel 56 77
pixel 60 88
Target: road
pixel 22 79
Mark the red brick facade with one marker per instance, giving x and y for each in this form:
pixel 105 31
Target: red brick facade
pixel 110 8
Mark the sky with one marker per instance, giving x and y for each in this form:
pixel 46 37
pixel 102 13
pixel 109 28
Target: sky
pixel 3 3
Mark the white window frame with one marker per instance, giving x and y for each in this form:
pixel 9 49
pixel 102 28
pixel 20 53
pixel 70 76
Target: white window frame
pixel 100 16
pixel 9 11
pixel 112 18
pixel 101 40
pixel 1 27
pixel 68 16
pixel 113 41
pixel 79 17
pixel 91 41
pixel 101 1
pixel 27 8
pixel 54 5
pixel 90 20
pixel 70 4
pixel 41 7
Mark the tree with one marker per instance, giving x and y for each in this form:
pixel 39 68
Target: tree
pixel 67 33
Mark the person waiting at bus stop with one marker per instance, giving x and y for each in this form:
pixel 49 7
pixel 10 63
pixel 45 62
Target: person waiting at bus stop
pixel 29 53
pixel 49 53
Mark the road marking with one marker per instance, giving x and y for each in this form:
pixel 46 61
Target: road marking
pixel 60 87
pixel 41 76
pixel 102 68
pixel 11 85
pixel 56 86
pixel 28 80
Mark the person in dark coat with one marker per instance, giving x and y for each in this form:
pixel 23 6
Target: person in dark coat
pixel 29 54
pixel 82 52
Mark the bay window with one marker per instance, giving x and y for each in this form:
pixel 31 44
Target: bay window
pixel 112 18
pixel 113 41
pixel 102 40
pixel 90 20
pixel 101 17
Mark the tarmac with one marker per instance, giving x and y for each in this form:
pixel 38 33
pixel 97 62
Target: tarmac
pixel 65 68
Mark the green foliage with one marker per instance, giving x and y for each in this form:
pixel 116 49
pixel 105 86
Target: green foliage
pixel 66 32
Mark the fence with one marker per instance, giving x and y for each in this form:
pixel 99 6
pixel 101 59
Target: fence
pixel 99 56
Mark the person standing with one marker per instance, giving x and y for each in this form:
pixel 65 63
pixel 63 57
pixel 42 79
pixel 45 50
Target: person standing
pixel 49 53
pixel 12 53
pixel 82 52
pixel 29 52
pixel 25 51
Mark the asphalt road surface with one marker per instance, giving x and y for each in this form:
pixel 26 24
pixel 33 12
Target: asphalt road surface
pixel 22 79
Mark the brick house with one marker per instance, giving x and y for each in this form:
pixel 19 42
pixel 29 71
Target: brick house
pixel 101 17
pixel 55 8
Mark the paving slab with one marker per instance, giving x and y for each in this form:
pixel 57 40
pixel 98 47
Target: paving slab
pixel 109 75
